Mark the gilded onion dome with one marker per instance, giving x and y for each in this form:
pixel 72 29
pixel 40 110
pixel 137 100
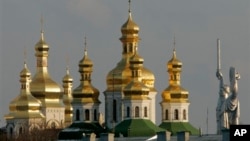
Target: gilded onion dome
pixel 136 90
pixel 174 63
pixel 130 29
pixel 25 105
pixel 85 92
pixel 67 97
pixel 42 82
pixel 120 76
pixel 67 78
pixel 174 92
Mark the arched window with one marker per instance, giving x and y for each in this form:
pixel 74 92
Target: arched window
pixel 176 115
pixel 136 111
pixel 11 131
pixel 114 110
pixel 131 47
pixel 184 114
pixel 87 114
pixel 95 115
pixel 77 115
pixel 53 125
pixel 166 114
pixel 145 112
pixel 20 130
pixel 125 49
pixel 128 112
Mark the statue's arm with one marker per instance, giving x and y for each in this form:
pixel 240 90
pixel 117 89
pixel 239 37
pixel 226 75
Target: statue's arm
pixel 220 78
pixel 234 77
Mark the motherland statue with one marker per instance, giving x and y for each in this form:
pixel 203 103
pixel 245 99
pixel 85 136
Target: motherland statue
pixel 228 106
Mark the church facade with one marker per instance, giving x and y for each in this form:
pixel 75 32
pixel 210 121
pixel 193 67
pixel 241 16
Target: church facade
pixel 129 97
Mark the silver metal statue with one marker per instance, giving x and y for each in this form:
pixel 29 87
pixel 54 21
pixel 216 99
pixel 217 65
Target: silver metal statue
pixel 228 106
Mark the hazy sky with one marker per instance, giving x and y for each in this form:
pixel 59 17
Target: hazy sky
pixel 196 25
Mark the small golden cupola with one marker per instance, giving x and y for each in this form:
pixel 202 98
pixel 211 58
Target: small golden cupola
pixel 130 29
pixel 174 92
pixel 136 90
pixel 67 97
pixel 42 86
pixel 25 105
pixel 120 76
pixel 67 78
pixel 85 92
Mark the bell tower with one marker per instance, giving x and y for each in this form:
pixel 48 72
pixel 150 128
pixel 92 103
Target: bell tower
pixel 175 101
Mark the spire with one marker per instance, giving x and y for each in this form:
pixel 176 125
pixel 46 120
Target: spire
pixel 42 31
pixel 174 52
pixel 129 10
pixel 85 46
pixel 129 6
pixel 25 55
pixel 25 70
pixel 174 42
pixel 67 70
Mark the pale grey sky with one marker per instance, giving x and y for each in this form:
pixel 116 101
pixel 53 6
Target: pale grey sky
pixel 196 25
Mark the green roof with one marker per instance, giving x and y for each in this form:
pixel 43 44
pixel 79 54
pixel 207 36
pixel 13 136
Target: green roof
pixel 175 127
pixel 76 130
pixel 137 128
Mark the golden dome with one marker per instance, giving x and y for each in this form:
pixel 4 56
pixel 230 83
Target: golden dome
pixel 136 90
pixel 41 45
pixel 120 76
pixel 25 105
pixel 175 94
pixel 85 92
pixel 136 59
pixel 174 63
pixel 130 27
pixel 25 71
pixel 67 77
pixel 85 62
pixel 41 82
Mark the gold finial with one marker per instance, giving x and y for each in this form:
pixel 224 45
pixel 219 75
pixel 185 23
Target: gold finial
pixel 25 55
pixel 129 6
pixel 42 32
pixel 174 52
pixel 67 67
pixel 174 42
pixel 85 46
pixel 67 70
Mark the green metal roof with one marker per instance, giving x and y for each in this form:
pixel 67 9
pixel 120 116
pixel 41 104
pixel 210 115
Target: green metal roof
pixel 76 130
pixel 137 128
pixel 175 127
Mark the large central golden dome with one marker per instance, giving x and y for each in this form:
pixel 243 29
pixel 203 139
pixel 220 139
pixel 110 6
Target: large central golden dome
pixel 120 76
